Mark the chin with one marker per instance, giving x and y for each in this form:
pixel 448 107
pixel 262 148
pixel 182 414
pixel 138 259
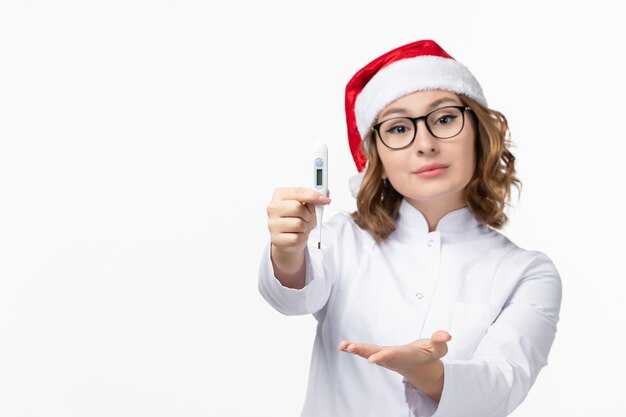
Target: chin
pixel 434 195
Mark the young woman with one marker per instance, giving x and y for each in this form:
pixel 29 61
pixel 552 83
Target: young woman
pixel 423 307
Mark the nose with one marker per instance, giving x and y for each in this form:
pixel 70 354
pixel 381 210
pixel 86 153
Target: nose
pixel 424 143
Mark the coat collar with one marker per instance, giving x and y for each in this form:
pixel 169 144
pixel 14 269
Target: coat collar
pixel 412 223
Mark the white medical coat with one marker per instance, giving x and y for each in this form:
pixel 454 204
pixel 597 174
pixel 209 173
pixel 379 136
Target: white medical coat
pixel 499 302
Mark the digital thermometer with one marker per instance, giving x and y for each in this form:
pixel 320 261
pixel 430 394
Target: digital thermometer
pixel 320 181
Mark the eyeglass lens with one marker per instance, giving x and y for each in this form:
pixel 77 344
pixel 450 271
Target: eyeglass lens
pixel 443 123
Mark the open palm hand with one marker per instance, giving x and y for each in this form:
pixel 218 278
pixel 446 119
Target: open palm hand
pixel 403 359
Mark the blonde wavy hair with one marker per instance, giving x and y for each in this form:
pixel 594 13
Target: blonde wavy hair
pixel 487 194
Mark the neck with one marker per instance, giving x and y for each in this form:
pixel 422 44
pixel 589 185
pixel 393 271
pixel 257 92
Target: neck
pixel 434 210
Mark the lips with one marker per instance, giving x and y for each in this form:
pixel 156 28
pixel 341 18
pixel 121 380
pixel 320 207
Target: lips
pixel 430 167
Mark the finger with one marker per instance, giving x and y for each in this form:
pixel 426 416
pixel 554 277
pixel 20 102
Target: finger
pixel 303 195
pixel 441 336
pixel 281 241
pixel 439 342
pixel 290 225
pixel 291 208
pixel 380 356
pixel 343 345
pixel 363 350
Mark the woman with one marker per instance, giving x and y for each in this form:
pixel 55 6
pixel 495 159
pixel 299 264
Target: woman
pixel 458 319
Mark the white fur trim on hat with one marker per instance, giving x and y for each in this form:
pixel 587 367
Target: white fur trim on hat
pixel 408 76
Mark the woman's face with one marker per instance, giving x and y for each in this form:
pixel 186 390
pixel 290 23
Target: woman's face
pixel 457 154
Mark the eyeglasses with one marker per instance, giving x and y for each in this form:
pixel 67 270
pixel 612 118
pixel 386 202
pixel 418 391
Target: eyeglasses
pixel 442 123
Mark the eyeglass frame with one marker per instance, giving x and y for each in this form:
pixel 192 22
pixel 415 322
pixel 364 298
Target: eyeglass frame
pixel 463 109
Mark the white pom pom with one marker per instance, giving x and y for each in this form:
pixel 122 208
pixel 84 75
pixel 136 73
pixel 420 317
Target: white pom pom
pixel 355 183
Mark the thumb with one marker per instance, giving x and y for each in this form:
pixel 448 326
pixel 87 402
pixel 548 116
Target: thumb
pixel 439 342
pixel 440 337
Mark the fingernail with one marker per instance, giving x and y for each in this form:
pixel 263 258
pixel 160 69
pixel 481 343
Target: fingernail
pixel 324 199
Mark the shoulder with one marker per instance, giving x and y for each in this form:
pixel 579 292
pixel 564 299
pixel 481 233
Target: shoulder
pixel 522 265
pixel 525 259
pixel 526 277
pixel 514 263
pixel 522 258
pixel 515 255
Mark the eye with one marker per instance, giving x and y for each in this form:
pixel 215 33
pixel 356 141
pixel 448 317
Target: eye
pixel 397 127
pixel 445 116
pixel 445 119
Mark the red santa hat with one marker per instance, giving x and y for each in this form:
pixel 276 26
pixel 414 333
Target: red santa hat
pixel 417 66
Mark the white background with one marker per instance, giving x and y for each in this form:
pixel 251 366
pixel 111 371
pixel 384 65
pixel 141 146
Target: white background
pixel 140 142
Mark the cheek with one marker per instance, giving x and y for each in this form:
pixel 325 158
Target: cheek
pixel 387 158
pixel 394 163
pixel 469 160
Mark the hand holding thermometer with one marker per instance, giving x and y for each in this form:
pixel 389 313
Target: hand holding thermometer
pixel 320 181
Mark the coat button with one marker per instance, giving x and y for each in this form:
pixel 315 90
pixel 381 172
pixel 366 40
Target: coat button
pixel 430 242
pixel 419 295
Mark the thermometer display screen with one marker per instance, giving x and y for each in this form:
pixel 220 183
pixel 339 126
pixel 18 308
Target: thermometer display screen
pixel 319 177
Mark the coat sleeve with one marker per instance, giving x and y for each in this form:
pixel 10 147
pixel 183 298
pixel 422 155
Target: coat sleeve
pixel 495 380
pixel 320 274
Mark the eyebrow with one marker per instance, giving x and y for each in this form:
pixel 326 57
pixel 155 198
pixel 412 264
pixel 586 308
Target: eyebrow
pixel 402 110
